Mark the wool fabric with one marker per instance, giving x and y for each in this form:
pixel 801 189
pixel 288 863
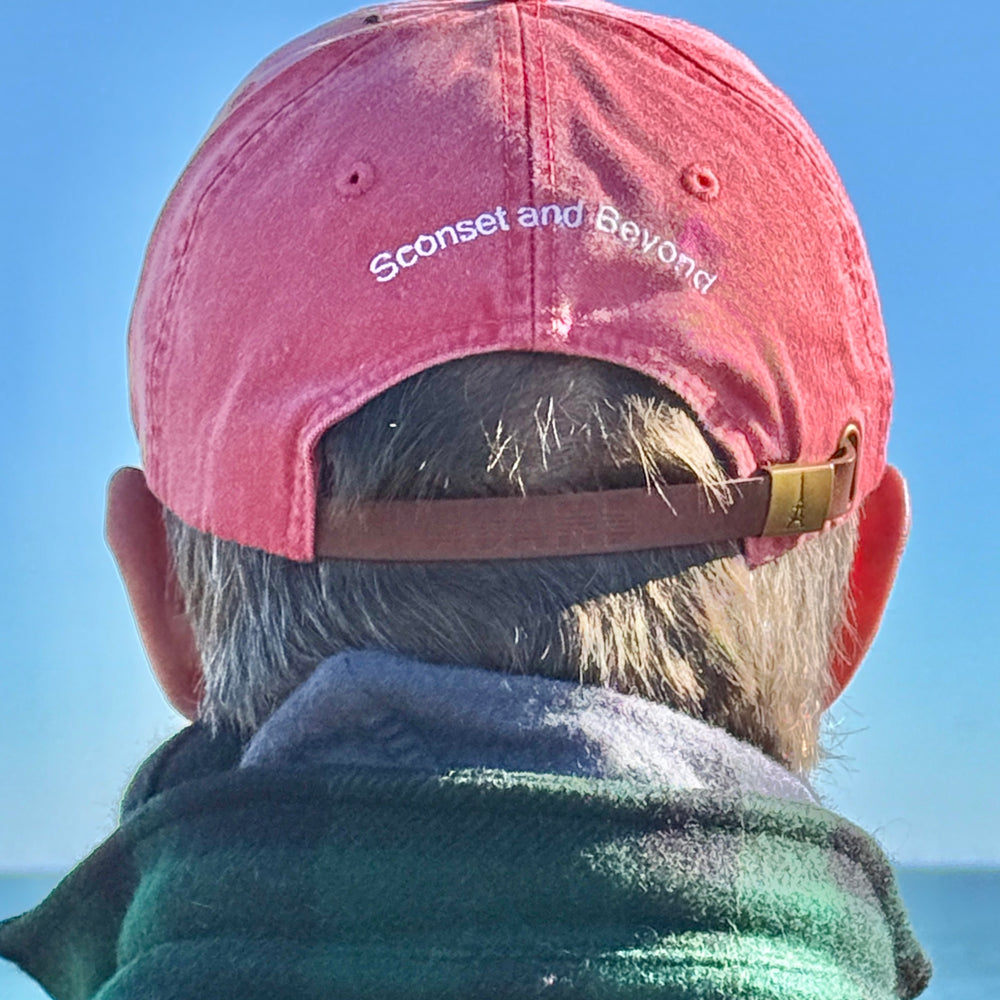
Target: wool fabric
pixel 365 882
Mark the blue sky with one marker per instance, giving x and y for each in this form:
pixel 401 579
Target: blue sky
pixel 103 105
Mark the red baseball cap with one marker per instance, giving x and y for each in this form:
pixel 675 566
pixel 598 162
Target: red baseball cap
pixel 418 182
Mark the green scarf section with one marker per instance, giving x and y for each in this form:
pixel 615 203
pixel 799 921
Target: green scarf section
pixel 266 884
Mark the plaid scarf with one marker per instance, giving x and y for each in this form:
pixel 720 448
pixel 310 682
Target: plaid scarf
pixel 363 881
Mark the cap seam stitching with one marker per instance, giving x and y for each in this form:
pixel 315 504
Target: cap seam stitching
pixel 530 156
pixel 821 169
pixel 505 98
pixel 550 156
pixel 160 354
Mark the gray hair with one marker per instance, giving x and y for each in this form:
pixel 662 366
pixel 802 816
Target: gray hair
pixel 694 627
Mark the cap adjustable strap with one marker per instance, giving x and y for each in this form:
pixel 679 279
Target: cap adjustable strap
pixel 782 500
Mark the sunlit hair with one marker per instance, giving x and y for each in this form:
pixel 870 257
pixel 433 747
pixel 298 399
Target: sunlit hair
pixel 747 650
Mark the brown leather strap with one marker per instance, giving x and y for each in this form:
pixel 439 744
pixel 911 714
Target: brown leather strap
pixel 569 524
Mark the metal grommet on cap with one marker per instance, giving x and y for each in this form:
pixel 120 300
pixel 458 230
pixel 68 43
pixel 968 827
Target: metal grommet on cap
pixel 701 181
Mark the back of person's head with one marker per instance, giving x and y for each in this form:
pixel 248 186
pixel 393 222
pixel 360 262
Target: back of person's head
pixel 692 626
pixel 441 251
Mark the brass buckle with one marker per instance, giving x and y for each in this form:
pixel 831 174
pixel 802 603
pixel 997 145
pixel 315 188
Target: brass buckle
pixel 801 495
pixel 800 498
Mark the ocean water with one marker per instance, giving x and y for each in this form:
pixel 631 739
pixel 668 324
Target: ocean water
pixel 956 914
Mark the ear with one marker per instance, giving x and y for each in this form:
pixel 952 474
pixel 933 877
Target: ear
pixel 882 530
pixel 136 535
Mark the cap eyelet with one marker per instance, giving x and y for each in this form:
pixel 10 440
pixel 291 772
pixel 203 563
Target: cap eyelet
pixel 701 181
pixel 355 178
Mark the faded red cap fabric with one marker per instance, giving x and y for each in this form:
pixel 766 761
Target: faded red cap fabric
pixel 422 181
